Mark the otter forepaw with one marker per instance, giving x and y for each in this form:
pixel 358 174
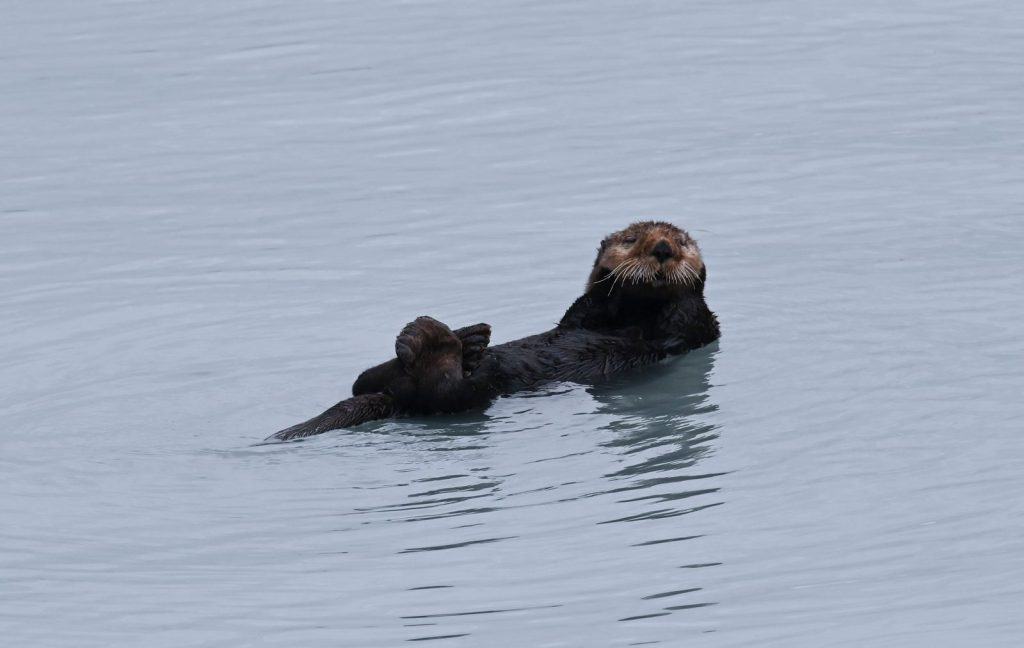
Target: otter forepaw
pixel 422 334
pixel 475 339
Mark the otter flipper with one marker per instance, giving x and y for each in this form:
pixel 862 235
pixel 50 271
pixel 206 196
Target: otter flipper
pixel 347 413
pixel 435 377
pixel 475 339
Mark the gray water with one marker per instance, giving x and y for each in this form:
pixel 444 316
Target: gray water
pixel 213 215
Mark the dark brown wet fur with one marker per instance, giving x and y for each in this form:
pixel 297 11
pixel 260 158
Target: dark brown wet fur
pixel 644 302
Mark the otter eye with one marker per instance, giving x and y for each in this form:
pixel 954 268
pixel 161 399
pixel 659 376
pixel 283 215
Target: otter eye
pixel 629 240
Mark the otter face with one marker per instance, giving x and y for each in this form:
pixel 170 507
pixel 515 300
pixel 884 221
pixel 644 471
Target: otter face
pixel 648 258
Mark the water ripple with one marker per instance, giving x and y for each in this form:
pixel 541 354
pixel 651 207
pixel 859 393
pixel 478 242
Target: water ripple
pixel 215 214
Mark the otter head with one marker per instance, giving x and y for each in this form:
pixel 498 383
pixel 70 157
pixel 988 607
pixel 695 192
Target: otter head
pixel 649 259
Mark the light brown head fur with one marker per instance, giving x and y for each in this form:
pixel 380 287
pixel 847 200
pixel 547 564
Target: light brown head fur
pixel 648 257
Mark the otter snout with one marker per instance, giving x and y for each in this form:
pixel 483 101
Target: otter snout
pixel 662 251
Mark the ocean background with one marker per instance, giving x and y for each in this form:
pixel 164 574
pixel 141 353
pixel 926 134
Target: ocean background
pixel 213 215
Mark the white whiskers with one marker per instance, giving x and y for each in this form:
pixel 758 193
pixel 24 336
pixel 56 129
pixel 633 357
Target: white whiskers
pixel 639 271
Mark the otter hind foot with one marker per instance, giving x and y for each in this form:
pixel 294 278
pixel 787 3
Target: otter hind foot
pixel 426 341
pixel 430 359
pixel 410 344
pixel 475 339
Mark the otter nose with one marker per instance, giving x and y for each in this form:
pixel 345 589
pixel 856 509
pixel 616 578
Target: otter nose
pixel 662 251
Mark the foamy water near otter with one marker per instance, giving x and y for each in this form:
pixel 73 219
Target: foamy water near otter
pixel 214 215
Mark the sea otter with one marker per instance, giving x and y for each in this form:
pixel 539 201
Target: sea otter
pixel 644 301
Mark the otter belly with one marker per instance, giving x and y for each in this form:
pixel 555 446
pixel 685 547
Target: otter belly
pixel 576 355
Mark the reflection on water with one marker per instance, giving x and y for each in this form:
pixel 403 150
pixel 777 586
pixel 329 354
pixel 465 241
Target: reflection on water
pixel 658 453
pixel 213 215
pixel 674 438
pixel 500 488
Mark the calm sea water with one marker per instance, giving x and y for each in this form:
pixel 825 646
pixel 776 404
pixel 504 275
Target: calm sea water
pixel 213 215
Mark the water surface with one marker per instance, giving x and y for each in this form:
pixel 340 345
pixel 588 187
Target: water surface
pixel 214 215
